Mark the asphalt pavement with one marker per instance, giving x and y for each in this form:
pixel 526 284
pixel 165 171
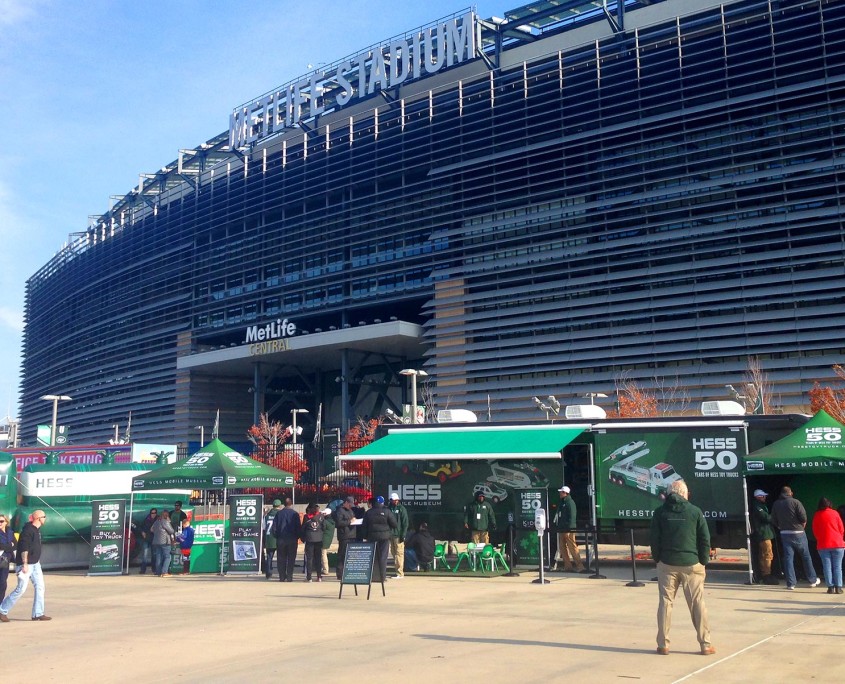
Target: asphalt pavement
pixel 428 628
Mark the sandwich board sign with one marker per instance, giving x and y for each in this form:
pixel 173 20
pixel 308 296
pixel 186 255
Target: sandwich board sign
pixel 358 567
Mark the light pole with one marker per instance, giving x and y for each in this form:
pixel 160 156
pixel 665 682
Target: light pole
pixel 594 395
pixel 201 428
pixel 293 413
pixel 413 375
pixel 55 398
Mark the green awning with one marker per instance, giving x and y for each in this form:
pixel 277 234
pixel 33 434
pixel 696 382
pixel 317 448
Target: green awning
pixel 816 447
pixel 456 443
pixel 215 466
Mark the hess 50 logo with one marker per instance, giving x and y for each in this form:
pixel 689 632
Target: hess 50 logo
pixel 715 452
pixel 820 435
pixel 420 492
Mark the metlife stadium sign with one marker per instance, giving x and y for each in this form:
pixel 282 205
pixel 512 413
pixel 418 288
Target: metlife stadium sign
pixel 403 59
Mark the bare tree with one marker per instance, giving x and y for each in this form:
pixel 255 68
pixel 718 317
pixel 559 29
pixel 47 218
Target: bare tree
pixel 673 398
pixel 758 389
pixel 426 398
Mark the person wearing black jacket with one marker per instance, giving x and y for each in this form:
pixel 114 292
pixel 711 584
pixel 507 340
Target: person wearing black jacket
pixel 285 528
pixel 7 553
pixel 311 534
pixel 346 531
pixel 28 562
pixel 419 550
pixel 378 522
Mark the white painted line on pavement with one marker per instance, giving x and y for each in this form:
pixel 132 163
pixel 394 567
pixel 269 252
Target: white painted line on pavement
pixel 749 647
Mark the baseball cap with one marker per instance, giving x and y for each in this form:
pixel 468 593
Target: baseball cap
pixel 394 497
pixel 379 499
pixel 565 489
pixel 759 492
pixel 277 502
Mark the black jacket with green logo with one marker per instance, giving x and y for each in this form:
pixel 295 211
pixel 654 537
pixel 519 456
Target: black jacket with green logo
pixel 679 534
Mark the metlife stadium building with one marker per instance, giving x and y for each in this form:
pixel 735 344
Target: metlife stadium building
pixel 525 206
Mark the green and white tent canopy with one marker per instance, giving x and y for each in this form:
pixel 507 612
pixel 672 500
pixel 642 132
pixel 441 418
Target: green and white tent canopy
pixel 215 466
pixel 815 447
pixel 470 443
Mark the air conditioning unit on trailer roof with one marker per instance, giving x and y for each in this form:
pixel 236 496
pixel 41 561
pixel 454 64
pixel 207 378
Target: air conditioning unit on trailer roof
pixel 722 408
pixel 585 411
pixel 456 416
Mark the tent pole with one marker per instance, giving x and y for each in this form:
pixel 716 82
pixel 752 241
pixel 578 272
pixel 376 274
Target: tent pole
pixel 747 514
pixel 131 506
pixel 225 542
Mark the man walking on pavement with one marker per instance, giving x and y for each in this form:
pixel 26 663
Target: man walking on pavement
pixel 28 561
pixel 286 528
pixel 565 524
pixel 397 536
pixel 789 516
pixel 762 534
pixel 680 545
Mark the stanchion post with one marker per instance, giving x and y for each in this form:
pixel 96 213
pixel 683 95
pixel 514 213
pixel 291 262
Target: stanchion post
pixel 512 572
pixel 633 582
pixel 597 574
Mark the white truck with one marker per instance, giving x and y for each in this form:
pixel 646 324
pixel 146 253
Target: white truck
pixel 653 480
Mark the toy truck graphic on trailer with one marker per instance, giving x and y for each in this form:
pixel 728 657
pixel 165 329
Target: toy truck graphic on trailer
pixel 653 480
pixel 516 475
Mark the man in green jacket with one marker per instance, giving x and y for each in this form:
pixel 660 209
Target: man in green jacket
pixel 762 533
pixel 479 518
pixel 680 545
pixel 397 536
pixel 565 524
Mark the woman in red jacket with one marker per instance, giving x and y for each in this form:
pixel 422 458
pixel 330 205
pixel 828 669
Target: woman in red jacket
pixel 830 542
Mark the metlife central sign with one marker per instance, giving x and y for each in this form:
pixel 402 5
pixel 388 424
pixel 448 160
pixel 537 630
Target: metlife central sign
pixel 403 59
pixel 269 338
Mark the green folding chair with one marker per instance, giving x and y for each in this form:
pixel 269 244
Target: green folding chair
pixel 440 555
pixel 490 555
pixel 465 555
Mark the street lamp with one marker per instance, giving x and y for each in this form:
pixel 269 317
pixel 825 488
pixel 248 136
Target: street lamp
pixel 413 373
pixel 595 395
pixel 293 413
pixel 55 398
pixel 201 428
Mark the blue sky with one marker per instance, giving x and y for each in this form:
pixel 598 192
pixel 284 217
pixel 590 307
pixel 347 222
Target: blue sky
pixel 94 93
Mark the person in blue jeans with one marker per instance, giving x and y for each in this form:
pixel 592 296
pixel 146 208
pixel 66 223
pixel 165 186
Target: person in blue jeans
pixel 163 534
pixel 144 535
pixel 829 532
pixel 789 516
pixel 28 561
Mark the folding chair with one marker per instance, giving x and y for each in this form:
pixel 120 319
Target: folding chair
pixel 465 555
pixel 440 555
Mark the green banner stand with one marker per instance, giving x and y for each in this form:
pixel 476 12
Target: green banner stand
pixel 108 537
